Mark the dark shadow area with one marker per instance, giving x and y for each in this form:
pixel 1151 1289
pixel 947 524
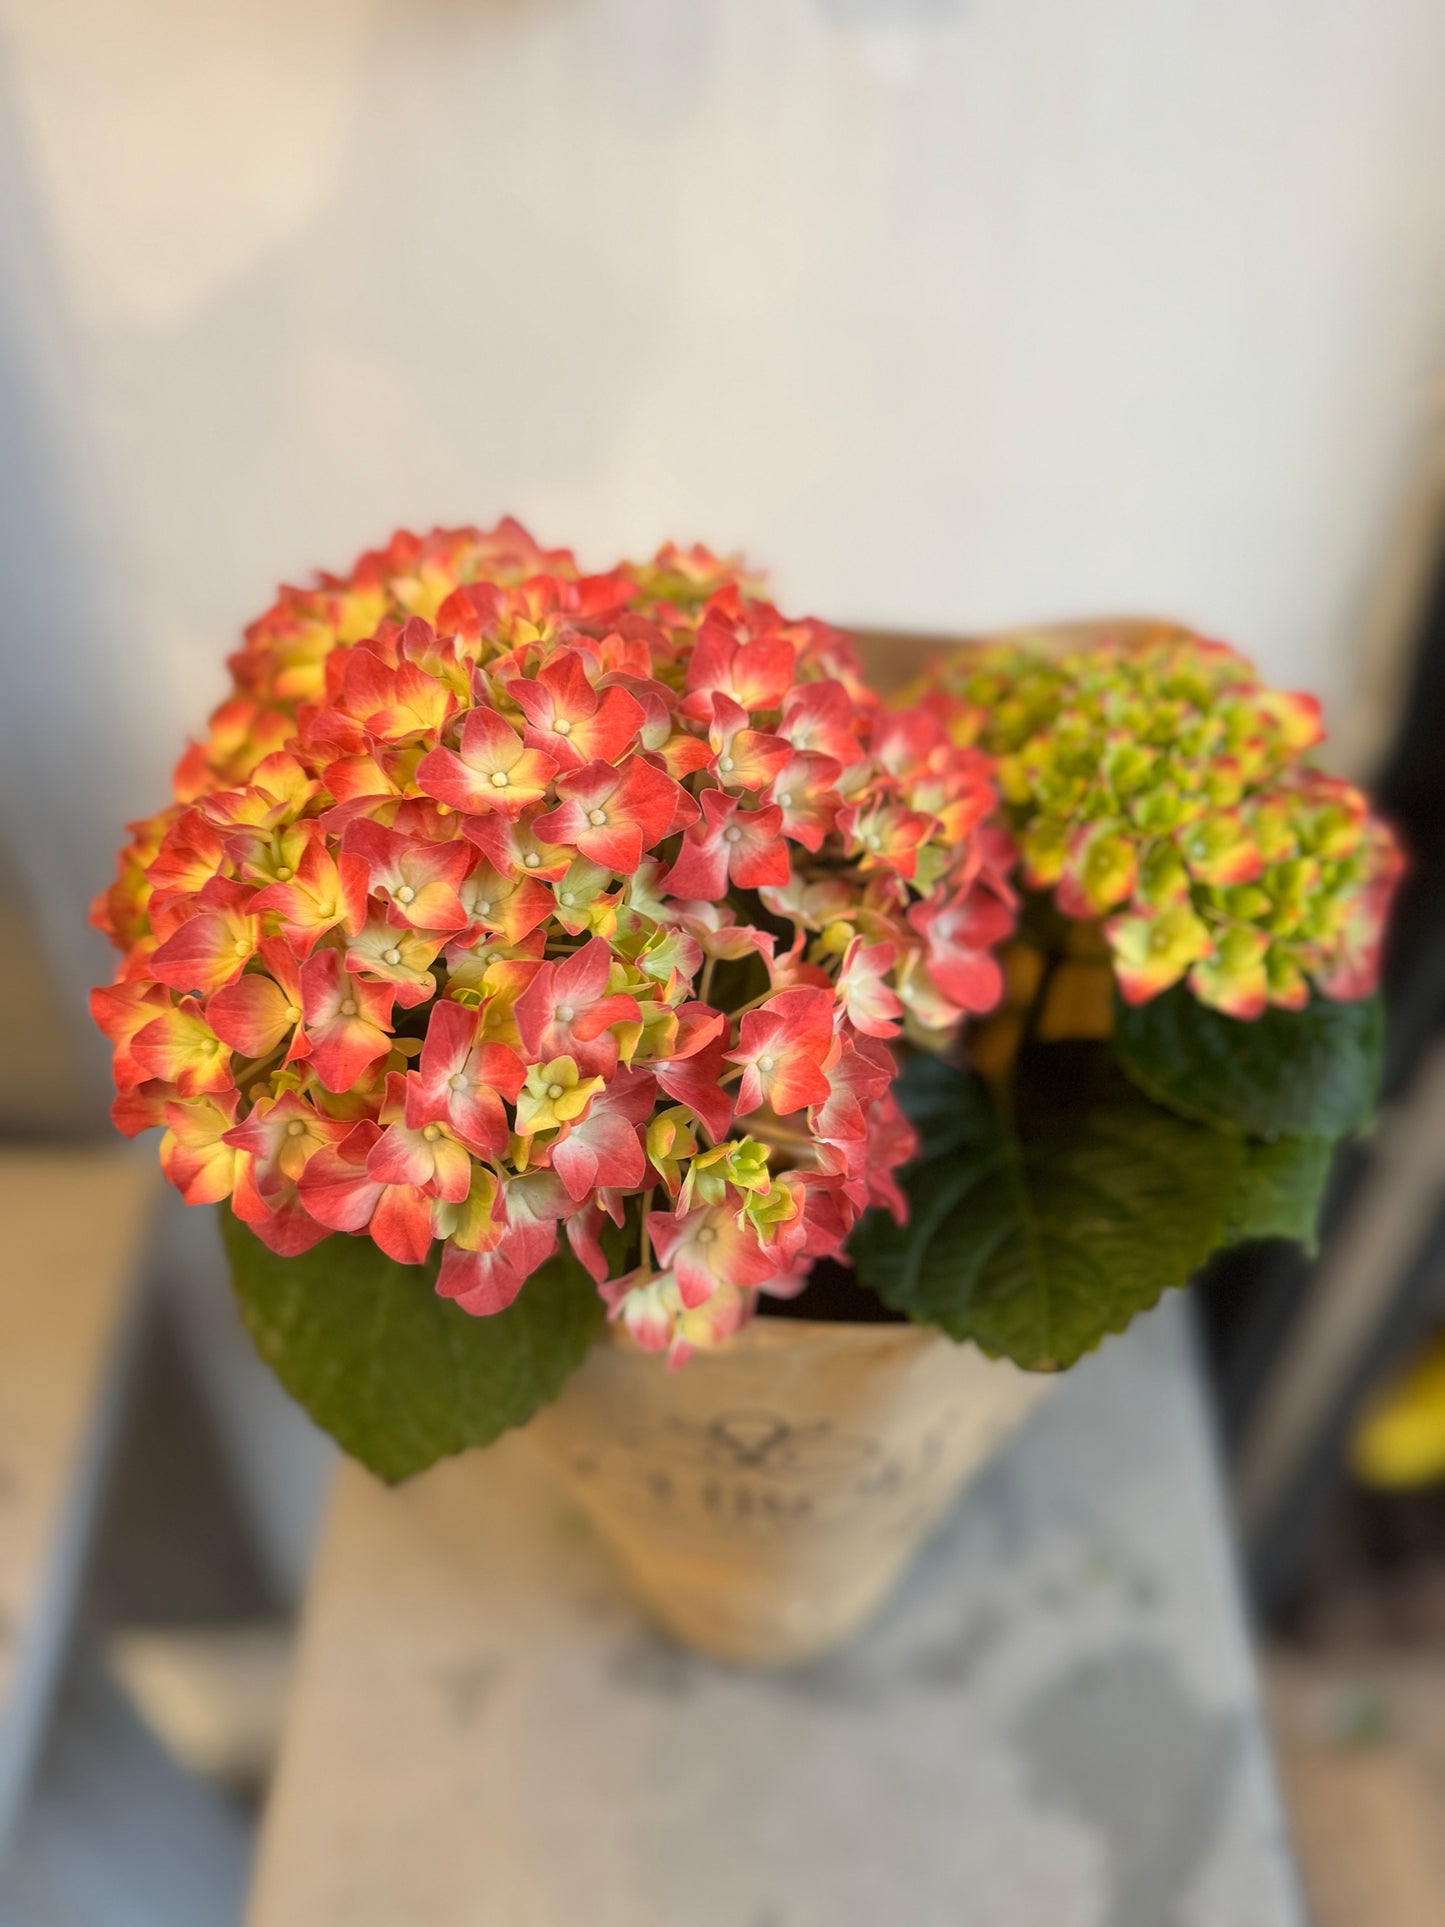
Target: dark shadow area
pixel 833 1293
pixel 174 1547
pixel 1323 1530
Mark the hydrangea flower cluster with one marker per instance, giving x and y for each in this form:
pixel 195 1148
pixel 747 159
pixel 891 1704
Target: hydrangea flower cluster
pixel 503 901
pixel 1155 782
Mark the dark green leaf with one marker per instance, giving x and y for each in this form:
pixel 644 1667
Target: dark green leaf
pixel 1035 1236
pixel 944 1105
pixel 1277 1189
pixel 1290 1073
pixel 398 1376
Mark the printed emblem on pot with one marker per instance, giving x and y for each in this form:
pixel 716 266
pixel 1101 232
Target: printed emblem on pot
pixel 756 1473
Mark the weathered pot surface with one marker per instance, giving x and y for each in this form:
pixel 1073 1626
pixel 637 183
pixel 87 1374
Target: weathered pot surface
pixel 764 1499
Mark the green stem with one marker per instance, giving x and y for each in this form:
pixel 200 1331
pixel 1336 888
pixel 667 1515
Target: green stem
pixel 644 1261
pixel 752 1003
pixel 1038 1004
pixel 780 1137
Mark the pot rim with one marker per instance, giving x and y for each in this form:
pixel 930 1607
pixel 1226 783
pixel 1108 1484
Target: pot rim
pixel 809 1334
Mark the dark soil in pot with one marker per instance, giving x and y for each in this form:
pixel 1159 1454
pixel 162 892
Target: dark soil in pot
pixel 833 1295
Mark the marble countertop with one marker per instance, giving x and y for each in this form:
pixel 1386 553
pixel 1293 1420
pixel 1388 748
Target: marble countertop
pixel 1054 1724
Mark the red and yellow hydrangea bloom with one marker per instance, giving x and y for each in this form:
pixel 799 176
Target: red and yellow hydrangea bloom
pixel 504 902
pixel 1152 782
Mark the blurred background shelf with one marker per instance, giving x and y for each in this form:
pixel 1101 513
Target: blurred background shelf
pixel 75 1228
pixel 1360 1741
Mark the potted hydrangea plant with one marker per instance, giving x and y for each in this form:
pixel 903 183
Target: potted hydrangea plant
pixel 531 959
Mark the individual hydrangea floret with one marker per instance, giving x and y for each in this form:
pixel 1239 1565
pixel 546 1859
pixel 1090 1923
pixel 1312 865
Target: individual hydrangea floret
pixel 504 902
pixel 1152 781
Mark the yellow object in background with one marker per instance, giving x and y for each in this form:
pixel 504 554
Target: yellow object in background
pixel 1400 1442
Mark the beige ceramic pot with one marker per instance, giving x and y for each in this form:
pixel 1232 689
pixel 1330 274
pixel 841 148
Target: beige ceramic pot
pixel 764 1499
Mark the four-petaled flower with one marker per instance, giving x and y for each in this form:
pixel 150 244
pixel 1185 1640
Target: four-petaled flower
pixel 706 1248
pixel 324 893
pixel 571 721
pixel 462 1082
pixel 743 758
pixel 419 880
pixel 259 1012
pixel 212 948
pixel 341 1193
pixel 491 768
pixel 962 934
pixel 603 1147
pixel 785 1050
pixel 729 845
pixel 486 1280
pixel 428 1155
pixel 568 1010
pixel 613 815
pixel 194 1153
pixel 348 1021
pixel 754 675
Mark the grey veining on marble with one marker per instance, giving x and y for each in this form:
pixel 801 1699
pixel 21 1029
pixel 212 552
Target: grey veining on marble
pixel 1054 1724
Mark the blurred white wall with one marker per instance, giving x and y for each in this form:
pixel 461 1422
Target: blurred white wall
pixel 957 311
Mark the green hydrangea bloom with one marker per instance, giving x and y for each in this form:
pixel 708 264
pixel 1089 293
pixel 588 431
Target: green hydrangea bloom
pixel 1151 780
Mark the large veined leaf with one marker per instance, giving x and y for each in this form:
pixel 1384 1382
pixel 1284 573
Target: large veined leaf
pixel 1290 1073
pixel 1039 1226
pixel 1277 1189
pixel 398 1376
